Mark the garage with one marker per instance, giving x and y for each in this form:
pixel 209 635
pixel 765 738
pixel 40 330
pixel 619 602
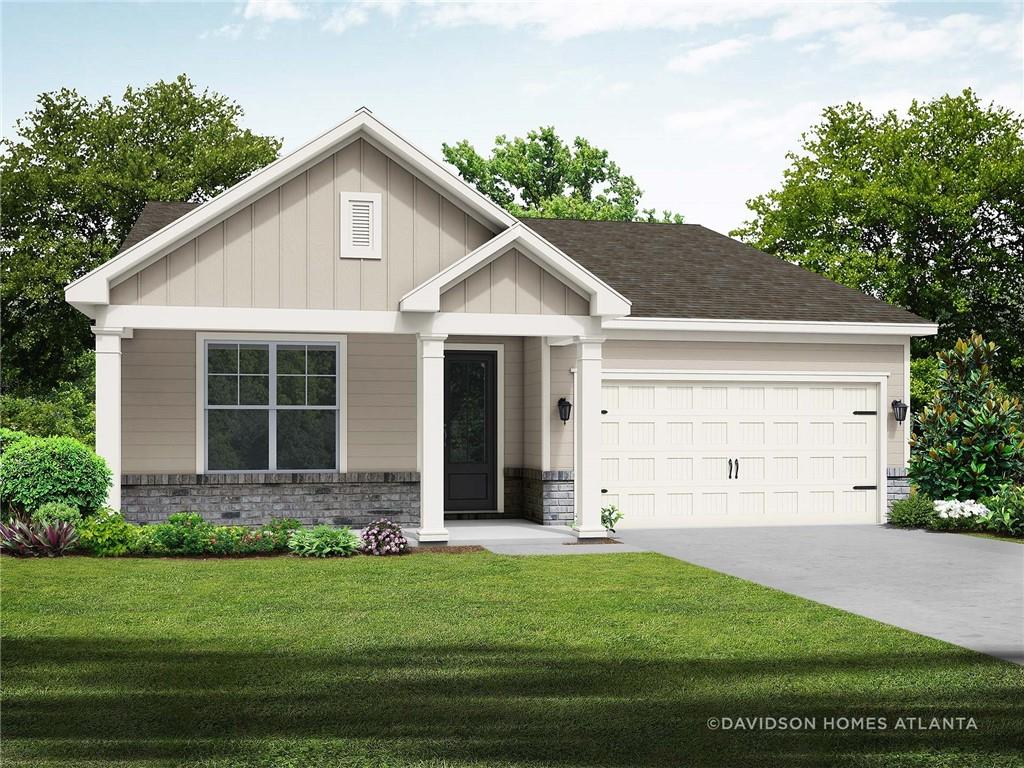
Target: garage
pixel 679 450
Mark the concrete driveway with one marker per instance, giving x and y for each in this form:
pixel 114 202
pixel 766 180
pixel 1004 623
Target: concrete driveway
pixel 962 589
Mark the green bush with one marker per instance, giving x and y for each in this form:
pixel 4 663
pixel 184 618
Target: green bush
pixel 57 512
pixel 916 511
pixel 970 439
pixel 108 534
pixel 66 412
pixel 280 528
pixel 184 533
pixel 924 382
pixel 610 517
pixel 8 437
pixel 957 515
pixel 1006 510
pixel 323 541
pixel 38 470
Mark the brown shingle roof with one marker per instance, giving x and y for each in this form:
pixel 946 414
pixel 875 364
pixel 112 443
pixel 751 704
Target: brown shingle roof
pixel 671 270
pixel 689 271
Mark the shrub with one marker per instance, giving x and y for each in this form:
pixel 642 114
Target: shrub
pixel 57 512
pixel 67 412
pixel 280 528
pixel 955 515
pixel 108 534
pixel 383 537
pixel 323 541
pixel 916 511
pixel 38 470
pixel 610 517
pixel 184 533
pixel 970 438
pixel 1006 510
pixel 924 382
pixel 8 437
pixel 36 540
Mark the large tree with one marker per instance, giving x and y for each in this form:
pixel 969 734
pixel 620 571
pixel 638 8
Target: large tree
pixel 923 210
pixel 75 176
pixel 542 176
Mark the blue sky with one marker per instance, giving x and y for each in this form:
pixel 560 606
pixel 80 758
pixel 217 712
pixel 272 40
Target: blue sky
pixel 698 101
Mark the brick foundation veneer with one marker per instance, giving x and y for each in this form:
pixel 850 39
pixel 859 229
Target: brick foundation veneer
pixel 332 498
pixel 548 496
pixel 897 484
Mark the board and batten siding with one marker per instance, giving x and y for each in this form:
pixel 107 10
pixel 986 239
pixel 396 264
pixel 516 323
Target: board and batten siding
pixel 733 356
pixel 514 284
pixel 532 414
pixel 283 250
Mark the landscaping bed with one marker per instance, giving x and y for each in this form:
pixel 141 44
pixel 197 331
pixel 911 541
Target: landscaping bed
pixel 476 659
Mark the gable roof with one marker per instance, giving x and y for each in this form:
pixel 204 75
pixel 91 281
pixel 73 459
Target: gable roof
pixel 154 217
pixel 94 287
pixel 689 271
pixel 604 300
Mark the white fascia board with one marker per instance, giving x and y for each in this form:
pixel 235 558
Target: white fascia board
pixel 659 326
pixel 94 287
pixel 604 300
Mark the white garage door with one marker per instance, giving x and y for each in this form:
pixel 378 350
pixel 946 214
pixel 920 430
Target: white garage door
pixel 710 453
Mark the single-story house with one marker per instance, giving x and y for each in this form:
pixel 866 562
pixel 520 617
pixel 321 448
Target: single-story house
pixel 354 332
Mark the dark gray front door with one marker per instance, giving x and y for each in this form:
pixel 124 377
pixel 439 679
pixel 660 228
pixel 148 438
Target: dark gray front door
pixel 470 431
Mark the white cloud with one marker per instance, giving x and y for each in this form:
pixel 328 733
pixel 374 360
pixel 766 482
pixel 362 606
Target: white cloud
pixel 342 19
pixel 227 31
pixel 696 59
pixel 273 10
pixel 712 117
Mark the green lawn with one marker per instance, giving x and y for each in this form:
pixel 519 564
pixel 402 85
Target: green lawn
pixel 473 659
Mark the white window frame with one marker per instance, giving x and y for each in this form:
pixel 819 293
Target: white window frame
pixel 272 339
pixel 347 251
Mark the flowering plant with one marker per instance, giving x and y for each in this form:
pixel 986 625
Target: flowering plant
pixel 383 537
pixel 954 510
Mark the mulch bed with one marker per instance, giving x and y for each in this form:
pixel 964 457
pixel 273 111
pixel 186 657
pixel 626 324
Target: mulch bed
pixel 445 549
pixel 606 540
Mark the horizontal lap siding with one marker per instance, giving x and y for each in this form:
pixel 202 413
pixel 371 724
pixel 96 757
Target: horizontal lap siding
pixel 284 250
pixel 381 403
pixel 158 402
pixel 736 356
pixel 532 457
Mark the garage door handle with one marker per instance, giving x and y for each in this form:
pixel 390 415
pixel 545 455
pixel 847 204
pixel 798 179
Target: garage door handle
pixel 604 490
pixel 865 487
pixel 737 470
pixel 604 412
pixel 730 469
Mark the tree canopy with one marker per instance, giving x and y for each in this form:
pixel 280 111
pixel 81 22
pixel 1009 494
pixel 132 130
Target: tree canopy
pixel 543 176
pixel 925 211
pixel 76 175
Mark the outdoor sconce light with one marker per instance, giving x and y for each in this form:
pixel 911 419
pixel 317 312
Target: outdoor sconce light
pixel 564 409
pixel 899 410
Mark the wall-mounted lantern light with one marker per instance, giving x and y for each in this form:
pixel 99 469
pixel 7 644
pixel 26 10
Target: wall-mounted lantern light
pixel 899 411
pixel 564 409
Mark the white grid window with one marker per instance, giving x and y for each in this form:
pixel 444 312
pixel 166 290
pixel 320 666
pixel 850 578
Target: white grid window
pixel 271 406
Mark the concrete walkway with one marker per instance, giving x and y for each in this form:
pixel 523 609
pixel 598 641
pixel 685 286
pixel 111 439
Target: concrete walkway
pixel 962 589
pixel 521 537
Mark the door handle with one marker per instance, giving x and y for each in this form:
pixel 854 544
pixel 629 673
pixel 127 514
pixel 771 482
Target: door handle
pixel 730 469
pixel 737 470
pixel 604 490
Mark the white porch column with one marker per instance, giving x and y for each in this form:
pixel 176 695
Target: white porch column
pixel 430 418
pixel 587 414
pixel 108 404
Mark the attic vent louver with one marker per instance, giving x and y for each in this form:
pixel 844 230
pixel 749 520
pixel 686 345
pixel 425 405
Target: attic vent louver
pixel 360 225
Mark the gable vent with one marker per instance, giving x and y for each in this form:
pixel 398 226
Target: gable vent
pixel 360 225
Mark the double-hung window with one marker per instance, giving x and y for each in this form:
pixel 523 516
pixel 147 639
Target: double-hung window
pixel 271 406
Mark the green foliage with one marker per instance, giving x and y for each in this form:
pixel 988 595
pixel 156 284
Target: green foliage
pixel 610 517
pixel 8 437
pixel 924 211
pixel 57 512
pixel 76 175
pixel 184 533
pixel 542 176
pixel 31 539
pixel 67 411
pixel 924 382
pixel 280 528
pixel 108 534
pixel 37 470
pixel 916 511
pixel 970 438
pixel 1006 510
pixel 323 541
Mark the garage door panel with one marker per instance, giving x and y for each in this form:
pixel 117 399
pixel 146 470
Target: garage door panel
pixel 797 449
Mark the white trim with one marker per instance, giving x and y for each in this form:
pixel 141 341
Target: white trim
pixel 908 422
pixel 93 288
pixel 248 338
pixel 545 404
pixel 499 348
pixel 882 406
pixel 770 326
pixel 430 435
pixel 604 300
pixel 372 251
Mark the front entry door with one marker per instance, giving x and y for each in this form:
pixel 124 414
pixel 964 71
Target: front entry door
pixel 470 430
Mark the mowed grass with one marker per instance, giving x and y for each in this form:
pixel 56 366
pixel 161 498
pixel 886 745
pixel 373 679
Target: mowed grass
pixel 472 659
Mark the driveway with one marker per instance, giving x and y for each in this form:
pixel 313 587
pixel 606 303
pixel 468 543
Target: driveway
pixel 962 589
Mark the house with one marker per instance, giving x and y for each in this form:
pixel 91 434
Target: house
pixel 353 332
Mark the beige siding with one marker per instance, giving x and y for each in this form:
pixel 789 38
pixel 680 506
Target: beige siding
pixel 158 402
pixel 532 412
pixel 725 356
pixel 381 403
pixel 563 360
pixel 513 284
pixel 283 250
